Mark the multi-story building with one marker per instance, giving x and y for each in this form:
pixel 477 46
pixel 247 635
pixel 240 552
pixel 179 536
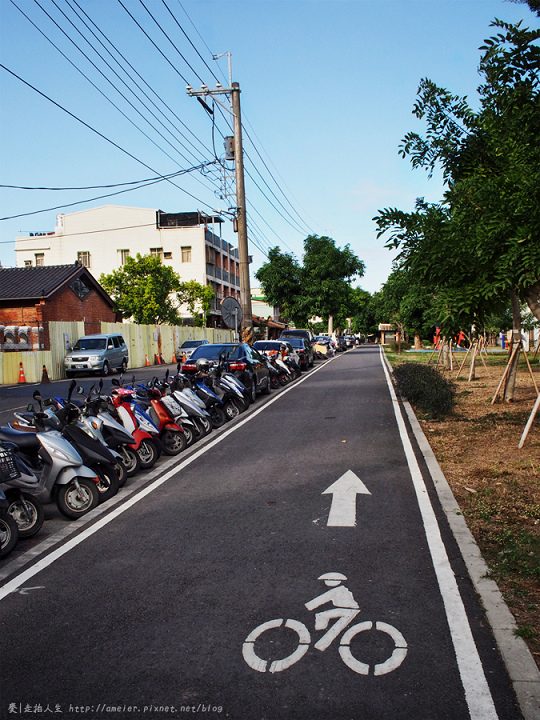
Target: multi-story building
pixel 102 238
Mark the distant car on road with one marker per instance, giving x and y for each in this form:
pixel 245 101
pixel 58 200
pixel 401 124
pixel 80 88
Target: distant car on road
pixel 97 354
pixel 188 346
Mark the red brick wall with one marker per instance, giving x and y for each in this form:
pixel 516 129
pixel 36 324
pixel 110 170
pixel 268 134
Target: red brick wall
pixel 65 306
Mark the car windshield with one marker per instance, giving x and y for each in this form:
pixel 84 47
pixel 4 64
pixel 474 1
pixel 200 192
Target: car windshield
pixel 90 344
pixel 192 343
pixel 296 341
pixel 212 352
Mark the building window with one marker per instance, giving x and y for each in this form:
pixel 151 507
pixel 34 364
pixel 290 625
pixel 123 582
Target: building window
pixel 27 263
pixel 83 258
pixel 156 252
pixel 124 254
pixel 80 288
pixel 40 259
pixel 186 254
pixel 167 255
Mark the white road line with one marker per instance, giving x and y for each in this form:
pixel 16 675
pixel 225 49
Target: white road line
pixel 15 584
pixel 477 693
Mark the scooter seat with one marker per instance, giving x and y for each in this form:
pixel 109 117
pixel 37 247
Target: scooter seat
pixel 27 441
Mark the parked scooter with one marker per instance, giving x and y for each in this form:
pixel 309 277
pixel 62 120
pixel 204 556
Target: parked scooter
pixel 23 505
pixel 147 444
pixel 171 434
pixel 62 476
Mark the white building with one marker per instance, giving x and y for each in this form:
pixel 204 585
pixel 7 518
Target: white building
pixel 101 239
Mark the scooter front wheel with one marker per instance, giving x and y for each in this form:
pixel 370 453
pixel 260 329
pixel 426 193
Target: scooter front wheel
pixel 147 453
pixel 108 484
pixel 75 501
pixel 9 533
pixel 173 441
pixel 217 416
pixel 28 513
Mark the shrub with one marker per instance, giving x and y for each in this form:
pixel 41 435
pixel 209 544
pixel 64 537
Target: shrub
pixel 425 388
pixel 394 346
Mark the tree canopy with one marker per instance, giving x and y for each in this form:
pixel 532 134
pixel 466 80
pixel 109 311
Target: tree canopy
pixel 141 289
pixel 480 246
pixel 320 286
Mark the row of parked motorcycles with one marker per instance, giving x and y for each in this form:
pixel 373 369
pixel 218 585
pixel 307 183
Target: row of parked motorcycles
pixel 78 451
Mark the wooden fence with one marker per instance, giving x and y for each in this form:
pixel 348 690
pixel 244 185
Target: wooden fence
pixel 143 341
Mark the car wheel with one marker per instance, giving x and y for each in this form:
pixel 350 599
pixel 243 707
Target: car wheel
pixel 106 369
pixel 266 387
pixel 124 366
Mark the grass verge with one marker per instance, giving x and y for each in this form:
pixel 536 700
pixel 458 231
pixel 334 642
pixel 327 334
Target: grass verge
pixel 496 484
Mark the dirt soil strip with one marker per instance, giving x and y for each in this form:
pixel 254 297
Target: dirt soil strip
pixel 521 666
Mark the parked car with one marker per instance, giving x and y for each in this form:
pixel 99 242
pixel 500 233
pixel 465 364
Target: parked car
pixel 188 346
pixel 305 351
pixel 269 346
pixel 243 360
pixel 350 340
pixel 97 354
pixel 300 332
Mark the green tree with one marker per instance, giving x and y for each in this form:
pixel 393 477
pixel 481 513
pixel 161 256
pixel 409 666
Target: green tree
pixel 281 280
pixel 321 286
pixel 198 299
pixel 407 304
pixel 142 289
pixel 326 276
pixel 479 247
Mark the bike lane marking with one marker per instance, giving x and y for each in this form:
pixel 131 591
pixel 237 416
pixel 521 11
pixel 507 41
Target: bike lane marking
pixel 14 584
pixel 344 492
pixel 475 686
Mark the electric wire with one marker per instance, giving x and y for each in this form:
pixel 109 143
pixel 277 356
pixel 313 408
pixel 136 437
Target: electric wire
pixel 114 144
pixel 99 197
pixel 133 81
pixel 150 88
pixel 107 79
pixel 91 187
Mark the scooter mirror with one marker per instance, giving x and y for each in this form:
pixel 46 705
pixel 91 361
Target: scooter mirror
pixel 80 390
pixel 30 408
pixel 36 395
pixel 115 382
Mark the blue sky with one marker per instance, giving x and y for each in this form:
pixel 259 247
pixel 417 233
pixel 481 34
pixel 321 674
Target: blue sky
pixel 328 88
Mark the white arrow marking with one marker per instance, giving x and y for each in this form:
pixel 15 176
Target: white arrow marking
pixel 344 492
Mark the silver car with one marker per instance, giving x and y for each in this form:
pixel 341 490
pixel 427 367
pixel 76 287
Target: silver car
pixel 97 354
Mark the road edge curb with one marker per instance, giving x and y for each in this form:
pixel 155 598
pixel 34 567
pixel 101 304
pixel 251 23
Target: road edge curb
pixel 517 657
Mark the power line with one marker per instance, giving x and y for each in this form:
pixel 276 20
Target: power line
pixel 100 197
pixel 126 152
pixel 92 187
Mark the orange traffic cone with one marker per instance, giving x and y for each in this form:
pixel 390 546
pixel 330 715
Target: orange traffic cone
pixel 173 359
pixel 157 359
pixel 162 359
pixel 183 357
pixel 22 379
pixel 45 376
pixel 146 360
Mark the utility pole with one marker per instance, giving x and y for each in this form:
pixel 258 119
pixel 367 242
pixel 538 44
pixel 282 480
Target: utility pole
pixel 241 215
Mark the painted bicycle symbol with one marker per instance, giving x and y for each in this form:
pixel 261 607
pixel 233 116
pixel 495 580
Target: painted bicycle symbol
pixel 344 612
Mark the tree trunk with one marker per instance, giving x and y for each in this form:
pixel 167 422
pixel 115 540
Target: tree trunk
pixel 417 341
pixel 532 297
pixel 510 384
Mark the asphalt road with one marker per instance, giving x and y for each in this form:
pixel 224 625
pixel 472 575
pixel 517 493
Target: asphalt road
pixel 151 608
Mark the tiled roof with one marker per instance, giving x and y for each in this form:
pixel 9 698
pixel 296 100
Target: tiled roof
pixel 30 283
